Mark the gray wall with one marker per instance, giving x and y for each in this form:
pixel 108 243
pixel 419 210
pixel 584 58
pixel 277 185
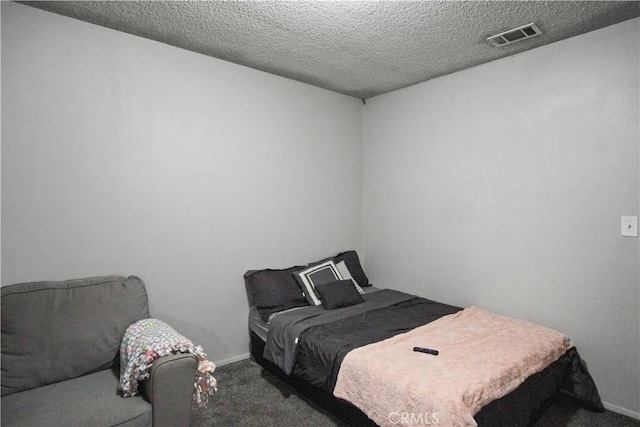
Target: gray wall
pixel 502 186
pixel 121 155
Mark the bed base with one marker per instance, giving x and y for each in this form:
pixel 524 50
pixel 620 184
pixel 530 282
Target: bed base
pixel 522 407
pixel 338 407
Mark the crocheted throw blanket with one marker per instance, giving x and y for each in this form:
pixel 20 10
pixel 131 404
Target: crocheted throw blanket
pixel 149 339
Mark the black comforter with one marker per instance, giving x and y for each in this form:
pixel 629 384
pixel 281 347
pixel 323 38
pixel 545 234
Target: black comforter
pixel 321 349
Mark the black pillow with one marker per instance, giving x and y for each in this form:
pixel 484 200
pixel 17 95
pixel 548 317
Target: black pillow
pixel 352 261
pixel 273 290
pixel 338 294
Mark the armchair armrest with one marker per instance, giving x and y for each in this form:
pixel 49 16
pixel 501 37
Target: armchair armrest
pixel 169 388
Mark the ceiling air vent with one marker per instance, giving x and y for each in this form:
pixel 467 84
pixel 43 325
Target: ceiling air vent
pixel 515 35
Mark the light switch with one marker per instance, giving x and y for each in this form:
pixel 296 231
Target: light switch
pixel 629 226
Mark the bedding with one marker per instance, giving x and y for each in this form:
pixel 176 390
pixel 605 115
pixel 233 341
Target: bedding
pixel 260 327
pixel 310 345
pixel 481 357
pixel 308 329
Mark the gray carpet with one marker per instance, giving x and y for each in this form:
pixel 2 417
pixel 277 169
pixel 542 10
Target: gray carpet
pixel 250 396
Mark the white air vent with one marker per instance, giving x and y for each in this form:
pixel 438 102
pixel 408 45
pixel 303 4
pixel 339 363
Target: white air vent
pixel 515 35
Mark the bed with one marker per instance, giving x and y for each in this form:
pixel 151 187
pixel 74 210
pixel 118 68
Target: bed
pixel 349 346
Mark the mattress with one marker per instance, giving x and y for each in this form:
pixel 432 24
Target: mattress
pixel 305 344
pixel 310 343
pixel 257 325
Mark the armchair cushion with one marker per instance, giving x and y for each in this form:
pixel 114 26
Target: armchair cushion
pixel 55 331
pixel 89 400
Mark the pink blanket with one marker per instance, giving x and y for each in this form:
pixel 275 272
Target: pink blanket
pixel 482 357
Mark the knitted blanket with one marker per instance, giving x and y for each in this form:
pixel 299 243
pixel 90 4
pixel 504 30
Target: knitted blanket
pixel 149 339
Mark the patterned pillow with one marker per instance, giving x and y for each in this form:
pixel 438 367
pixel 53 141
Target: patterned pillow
pixel 346 274
pixel 319 274
pixel 352 260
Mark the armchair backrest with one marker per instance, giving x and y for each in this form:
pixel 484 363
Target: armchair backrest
pixel 55 331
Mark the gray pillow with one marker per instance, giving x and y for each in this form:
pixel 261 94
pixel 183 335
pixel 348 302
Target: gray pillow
pixel 339 294
pixel 274 290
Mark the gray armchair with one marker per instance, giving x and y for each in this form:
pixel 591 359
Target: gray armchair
pixel 60 357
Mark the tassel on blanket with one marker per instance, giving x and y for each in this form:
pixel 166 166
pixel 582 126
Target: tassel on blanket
pixel 149 339
pixel 205 383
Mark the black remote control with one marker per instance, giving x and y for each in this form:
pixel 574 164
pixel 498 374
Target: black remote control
pixel 426 350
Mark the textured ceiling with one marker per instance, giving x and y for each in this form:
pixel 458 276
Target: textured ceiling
pixel 358 48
